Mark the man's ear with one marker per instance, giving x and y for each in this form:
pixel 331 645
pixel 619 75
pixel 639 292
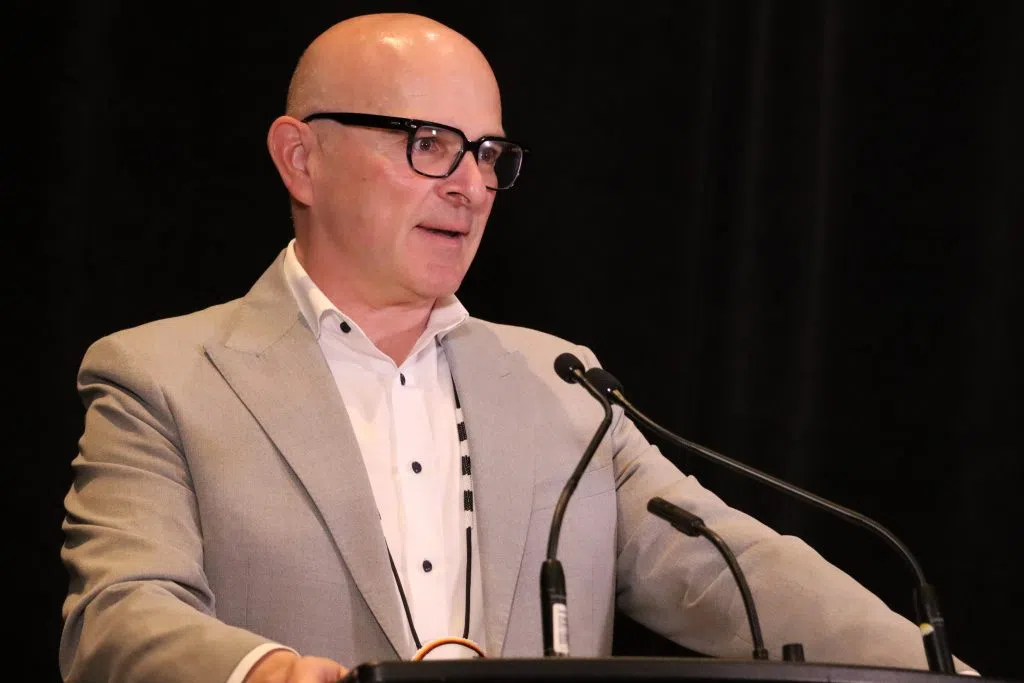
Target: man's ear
pixel 289 141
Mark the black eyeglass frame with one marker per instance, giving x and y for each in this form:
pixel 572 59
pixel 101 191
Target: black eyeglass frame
pixel 410 126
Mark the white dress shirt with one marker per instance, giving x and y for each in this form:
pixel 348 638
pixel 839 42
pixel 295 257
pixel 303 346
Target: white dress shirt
pixel 404 422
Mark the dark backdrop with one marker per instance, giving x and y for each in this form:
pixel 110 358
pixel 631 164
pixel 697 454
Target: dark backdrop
pixel 792 229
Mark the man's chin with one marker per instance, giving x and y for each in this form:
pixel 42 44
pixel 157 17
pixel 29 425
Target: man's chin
pixel 436 286
pixel 437 294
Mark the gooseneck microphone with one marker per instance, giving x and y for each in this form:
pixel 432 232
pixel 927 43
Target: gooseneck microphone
pixel 931 622
pixel 554 613
pixel 692 525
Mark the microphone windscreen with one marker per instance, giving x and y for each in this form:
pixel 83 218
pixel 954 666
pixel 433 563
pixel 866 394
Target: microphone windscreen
pixel 603 380
pixel 565 365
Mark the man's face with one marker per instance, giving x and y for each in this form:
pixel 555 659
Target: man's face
pixel 398 236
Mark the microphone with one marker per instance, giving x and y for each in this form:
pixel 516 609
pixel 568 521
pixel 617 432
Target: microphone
pixel 554 613
pixel 930 621
pixel 692 525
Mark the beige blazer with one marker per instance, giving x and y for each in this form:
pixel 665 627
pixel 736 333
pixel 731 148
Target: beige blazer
pixel 220 501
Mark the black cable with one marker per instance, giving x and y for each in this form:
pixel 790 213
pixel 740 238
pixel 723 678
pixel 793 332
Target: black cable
pixel 469 573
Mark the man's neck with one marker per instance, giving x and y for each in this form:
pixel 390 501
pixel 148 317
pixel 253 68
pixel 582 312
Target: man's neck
pixel 392 329
pixel 393 326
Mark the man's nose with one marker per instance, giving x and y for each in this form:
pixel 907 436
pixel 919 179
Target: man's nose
pixel 467 182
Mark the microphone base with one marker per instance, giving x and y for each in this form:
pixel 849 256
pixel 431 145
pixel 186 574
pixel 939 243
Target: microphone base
pixel 933 631
pixel 554 612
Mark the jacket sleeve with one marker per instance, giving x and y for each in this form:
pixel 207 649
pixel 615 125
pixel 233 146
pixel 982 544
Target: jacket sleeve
pixel 139 607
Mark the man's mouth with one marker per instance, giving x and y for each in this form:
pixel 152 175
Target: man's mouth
pixel 442 231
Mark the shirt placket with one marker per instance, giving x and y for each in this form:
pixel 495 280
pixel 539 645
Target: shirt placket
pixel 421 508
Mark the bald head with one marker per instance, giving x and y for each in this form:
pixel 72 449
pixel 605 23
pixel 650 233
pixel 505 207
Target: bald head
pixel 389 64
pixel 372 229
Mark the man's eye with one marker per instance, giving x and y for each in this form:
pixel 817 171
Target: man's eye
pixel 425 145
pixel 433 145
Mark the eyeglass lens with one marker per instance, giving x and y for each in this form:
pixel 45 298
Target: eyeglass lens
pixel 434 151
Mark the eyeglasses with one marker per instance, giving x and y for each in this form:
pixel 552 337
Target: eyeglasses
pixel 435 150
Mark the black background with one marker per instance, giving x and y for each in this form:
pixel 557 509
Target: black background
pixel 792 229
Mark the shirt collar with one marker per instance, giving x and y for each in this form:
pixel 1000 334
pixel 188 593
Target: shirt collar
pixel 447 314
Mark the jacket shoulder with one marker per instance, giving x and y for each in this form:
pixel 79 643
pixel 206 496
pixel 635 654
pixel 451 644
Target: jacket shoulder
pixel 162 340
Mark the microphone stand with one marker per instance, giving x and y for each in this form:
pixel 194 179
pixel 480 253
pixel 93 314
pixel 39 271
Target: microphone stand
pixel 931 622
pixel 692 525
pixel 554 613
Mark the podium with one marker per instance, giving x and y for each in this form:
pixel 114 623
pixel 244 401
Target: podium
pixel 636 670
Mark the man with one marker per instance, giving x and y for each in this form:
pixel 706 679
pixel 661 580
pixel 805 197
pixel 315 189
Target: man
pixel 343 465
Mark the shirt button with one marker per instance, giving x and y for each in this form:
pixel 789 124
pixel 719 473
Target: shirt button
pixel 401 378
pixel 427 566
pixel 416 467
pixel 345 327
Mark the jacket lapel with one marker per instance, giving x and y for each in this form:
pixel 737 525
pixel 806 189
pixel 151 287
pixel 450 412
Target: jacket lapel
pixel 489 381
pixel 271 360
